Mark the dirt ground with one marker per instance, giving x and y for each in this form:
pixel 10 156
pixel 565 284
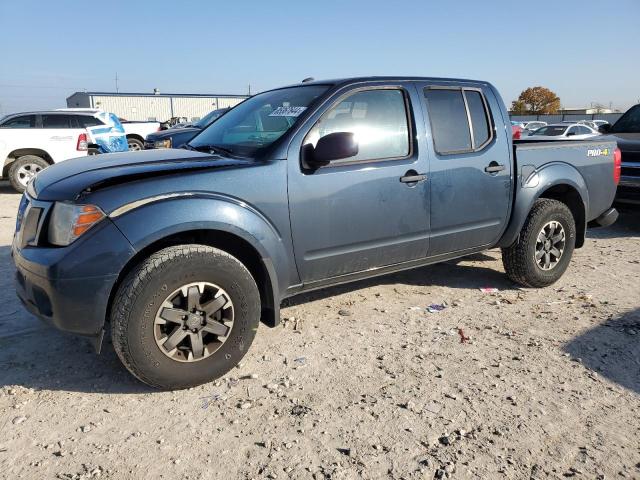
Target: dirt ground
pixel 360 381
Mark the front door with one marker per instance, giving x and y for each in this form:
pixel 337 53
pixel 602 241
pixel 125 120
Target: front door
pixel 470 167
pixel 361 213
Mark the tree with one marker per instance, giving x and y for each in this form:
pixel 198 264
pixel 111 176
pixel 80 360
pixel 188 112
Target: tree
pixel 536 101
pixel 519 107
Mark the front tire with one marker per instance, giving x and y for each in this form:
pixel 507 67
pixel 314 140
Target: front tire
pixel 185 316
pixel 545 246
pixel 24 169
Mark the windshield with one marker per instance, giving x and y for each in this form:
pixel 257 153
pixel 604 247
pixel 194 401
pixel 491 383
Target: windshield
pixel 210 117
pixel 552 130
pixel 629 122
pixel 252 126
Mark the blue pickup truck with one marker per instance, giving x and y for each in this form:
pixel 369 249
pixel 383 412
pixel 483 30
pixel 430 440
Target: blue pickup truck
pixel 184 251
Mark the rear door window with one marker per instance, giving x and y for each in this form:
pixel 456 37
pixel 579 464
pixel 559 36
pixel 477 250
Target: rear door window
pixel 59 121
pixel 460 119
pixel 479 118
pixel 449 122
pixel 23 121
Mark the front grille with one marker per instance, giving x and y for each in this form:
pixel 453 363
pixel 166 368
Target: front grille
pixel 30 225
pixel 24 203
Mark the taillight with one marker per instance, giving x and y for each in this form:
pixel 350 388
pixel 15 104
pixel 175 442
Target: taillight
pixel 617 165
pixel 83 144
pixel 516 132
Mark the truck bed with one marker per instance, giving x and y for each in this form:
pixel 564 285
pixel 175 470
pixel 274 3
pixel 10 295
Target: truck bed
pixel 591 159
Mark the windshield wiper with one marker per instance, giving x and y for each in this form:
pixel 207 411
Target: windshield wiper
pixel 212 148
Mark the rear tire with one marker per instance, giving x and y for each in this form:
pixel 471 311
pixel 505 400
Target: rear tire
pixel 545 246
pixel 135 144
pixel 24 169
pixel 140 306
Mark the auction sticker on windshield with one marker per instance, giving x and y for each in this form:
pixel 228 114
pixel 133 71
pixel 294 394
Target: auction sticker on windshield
pixel 287 112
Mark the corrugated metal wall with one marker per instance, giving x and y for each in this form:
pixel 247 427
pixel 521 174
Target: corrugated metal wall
pixel 198 107
pixel 135 108
pixel 159 108
pixel 225 102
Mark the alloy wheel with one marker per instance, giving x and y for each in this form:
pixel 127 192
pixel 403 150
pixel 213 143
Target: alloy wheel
pixel 193 322
pixel 26 172
pixel 550 245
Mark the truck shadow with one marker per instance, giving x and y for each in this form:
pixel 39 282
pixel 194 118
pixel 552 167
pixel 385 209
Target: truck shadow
pixel 453 274
pixel 36 356
pixel 45 359
pixel 627 225
pixel 39 357
pixel 612 349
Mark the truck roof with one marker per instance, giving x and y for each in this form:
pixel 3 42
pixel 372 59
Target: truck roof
pixel 54 112
pixel 348 80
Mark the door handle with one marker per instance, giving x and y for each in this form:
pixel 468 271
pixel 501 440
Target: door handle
pixel 494 167
pixel 413 178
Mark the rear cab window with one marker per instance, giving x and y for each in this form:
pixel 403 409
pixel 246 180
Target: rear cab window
pixel 461 121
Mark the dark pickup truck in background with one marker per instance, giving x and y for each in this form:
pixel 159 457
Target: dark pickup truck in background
pixel 626 132
pixel 298 188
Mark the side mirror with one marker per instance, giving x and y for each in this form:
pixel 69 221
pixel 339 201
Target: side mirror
pixel 335 146
pixel 605 128
pixel 571 134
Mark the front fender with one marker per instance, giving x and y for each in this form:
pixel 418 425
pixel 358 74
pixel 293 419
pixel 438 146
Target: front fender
pixel 532 184
pixel 147 221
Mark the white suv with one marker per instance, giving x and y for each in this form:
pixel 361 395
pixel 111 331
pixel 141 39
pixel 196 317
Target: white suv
pixel 32 141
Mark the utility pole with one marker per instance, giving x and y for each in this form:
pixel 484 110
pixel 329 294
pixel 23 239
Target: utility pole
pixel 249 89
pixel 117 89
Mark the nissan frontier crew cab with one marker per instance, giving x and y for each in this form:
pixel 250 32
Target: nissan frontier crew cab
pixel 184 251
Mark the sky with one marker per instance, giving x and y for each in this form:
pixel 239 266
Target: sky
pixel 584 51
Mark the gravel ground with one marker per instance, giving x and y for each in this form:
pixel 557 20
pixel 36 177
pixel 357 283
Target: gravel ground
pixel 360 381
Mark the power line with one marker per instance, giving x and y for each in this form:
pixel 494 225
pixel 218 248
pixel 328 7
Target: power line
pixel 4 85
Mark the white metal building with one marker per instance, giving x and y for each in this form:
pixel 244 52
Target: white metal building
pixel 153 106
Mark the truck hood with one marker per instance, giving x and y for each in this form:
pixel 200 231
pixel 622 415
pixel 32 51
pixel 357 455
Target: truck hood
pixel 68 179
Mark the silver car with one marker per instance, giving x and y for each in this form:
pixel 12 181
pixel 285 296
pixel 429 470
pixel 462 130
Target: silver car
pixel 563 131
pixel 530 127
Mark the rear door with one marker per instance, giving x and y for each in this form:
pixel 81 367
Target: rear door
pixel 470 168
pixel 360 213
pixel 61 132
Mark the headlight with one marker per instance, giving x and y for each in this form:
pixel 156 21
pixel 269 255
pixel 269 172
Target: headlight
pixel 69 221
pixel 166 143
